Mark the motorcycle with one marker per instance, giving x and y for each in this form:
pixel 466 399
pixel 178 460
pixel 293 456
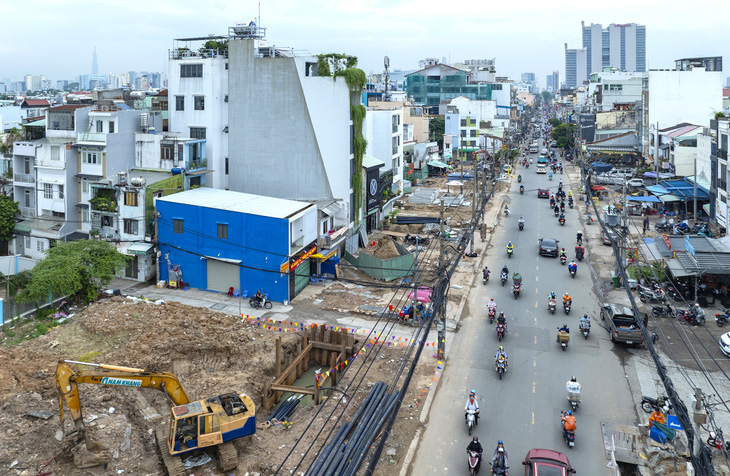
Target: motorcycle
pixel 648 294
pixel 662 404
pixel 485 277
pixel 552 305
pixel 690 318
pixel 501 367
pixel 473 460
pixel 721 319
pixel 506 211
pixel 562 259
pixel 503 278
pixel 662 311
pixel 716 440
pixel 570 203
pixel 516 290
pixel 492 312
pixel 574 399
pixel 663 227
pixel 562 207
pixel 563 338
pixel 568 435
pixel 522 189
pixel 566 307
pixel 471 419
pixel 509 252
pixel 519 178
pixel 499 470
pixel 572 271
pixel 579 251
pixel 500 331
pixel 557 213
pixel 585 331
pixel 259 303
pixel 521 225
pixel 562 221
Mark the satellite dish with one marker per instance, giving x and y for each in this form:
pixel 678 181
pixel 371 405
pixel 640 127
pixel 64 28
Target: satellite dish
pixel 386 62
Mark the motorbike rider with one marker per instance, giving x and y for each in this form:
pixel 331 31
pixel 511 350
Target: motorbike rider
pixel 556 209
pixel 519 178
pixel 572 266
pixel 491 304
pixel 698 312
pixel 506 210
pixel 502 320
pixel 522 188
pixel 564 329
pixel 485 272
pixel 563 254
pixel 552 200
pixel 473 405
pixel 259 297
pixel 476 446
pixel 505 270
pixel 561 217
pixel 550 176
pixel 579 237
pixel 567 299
pixel 568 421
pixel 585 322
pixel 517 279
pixel 510 248
pixel 573 387
pixel 501 353
pixel 521 222
pixel 570 194
pixel 499 460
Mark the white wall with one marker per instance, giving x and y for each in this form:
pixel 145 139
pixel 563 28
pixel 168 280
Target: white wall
pixel 684 158
pixel 684 96
pixel 214 87
pixel 378 131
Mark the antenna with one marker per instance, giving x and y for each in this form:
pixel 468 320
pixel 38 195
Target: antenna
pixel 386 78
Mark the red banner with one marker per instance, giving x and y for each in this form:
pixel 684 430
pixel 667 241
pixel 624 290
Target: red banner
pixel 301 259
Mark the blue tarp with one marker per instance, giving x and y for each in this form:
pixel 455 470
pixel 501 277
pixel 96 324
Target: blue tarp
pixel 684 189
pixel 650 198
pixel 662 175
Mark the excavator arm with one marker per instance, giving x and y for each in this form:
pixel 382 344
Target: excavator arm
pixel 67 380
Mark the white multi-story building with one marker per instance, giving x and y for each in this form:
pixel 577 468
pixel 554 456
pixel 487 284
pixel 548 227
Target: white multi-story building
pixel 672 97
pixel 198 105
pixel 118 80
pixel 464 132
pixel 610 88
pixel 383 129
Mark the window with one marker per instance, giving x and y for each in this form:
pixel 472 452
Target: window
pixel 106 220
pixel 84 186
pixel 225 99
pixel 130 199
pixel 40 246
pixel 473 133
pixel 177 225
pixel 223 231
pixel 226 165
pixel 99 126
pixel 90 157
pixel 191 70
pixel 167 152
pixel 48 190
pixel 197 132
pixel 84 215
pixel 58 214
pixel 463 123
pixel 55 152
pixel 130 226
pixel 60 192
pixel 26 195
pixel 199 103
pixel 27 241
pixel 179 103
pixel 111 127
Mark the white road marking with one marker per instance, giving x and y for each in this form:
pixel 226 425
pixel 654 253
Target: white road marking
pixel 533 418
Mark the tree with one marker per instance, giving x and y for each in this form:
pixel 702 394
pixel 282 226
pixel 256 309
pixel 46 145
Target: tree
pixel 546 96
pixel 563 134
pixel 6 145
pixel 554 122
pixel 436 128
pixel 8 210
pixel 78 269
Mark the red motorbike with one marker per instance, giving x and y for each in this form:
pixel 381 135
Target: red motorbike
pixel 474 458
pixel 500 331
pixel 492 312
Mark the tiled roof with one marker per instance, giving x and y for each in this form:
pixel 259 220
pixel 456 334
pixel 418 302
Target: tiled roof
pixel 36 102
pixel 68 107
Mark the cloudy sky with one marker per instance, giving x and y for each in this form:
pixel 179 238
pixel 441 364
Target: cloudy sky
pixel 57 38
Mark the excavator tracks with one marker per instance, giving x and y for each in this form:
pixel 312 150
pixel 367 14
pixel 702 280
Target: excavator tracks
pixel 227 456
pixel 173 464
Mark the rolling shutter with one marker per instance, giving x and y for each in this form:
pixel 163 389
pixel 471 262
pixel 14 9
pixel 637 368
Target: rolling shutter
pixel 222 276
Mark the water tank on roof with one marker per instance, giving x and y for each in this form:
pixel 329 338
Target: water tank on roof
pixel 122 178
pixel 137 181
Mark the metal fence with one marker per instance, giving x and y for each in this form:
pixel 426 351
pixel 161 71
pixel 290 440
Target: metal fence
pixel 387 270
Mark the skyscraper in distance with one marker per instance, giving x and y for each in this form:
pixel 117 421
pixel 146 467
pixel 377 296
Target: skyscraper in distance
pixel 94 63
pixel 575 67
pixel 621 46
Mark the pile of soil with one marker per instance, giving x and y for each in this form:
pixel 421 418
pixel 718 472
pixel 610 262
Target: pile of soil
pixel 211 353
pixel 384 249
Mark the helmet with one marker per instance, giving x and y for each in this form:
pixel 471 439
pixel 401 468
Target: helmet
pixel 572 379
pixel 585 315
pixel 475 439
pixel 501 450
pixel 697 304
pixel 570 412
pixel 500 442
pixel 471 394
pixel 563 249
pixel 509 243
pixel 491 299
pixel 565 325
pixel 501 348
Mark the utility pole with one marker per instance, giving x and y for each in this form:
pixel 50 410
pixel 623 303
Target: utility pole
pixel 442 260
pixel 157 242
pixel 694 211
pixel 624 234
pixel 415 282
pixel 474 209
pixel 441 326
pixel 656 153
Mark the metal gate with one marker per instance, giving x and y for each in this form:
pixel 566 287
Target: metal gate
pixel 222 276
pixel 301 277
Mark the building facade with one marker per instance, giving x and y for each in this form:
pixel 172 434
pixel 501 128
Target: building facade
pixel 434 84
pixel 621 46
pixel 575 67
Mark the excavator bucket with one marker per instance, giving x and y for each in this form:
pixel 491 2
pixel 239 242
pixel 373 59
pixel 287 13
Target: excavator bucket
pixel 89 454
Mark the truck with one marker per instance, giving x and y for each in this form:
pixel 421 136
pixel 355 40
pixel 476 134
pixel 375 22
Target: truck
pixel 194 424
pixel 533 148
pixel 622 324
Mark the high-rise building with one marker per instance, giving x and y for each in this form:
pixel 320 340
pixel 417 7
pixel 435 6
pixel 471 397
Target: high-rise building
pixel 575 67
pixel 620 46
pixel 529 78
pixel 552 82
pixel 61 84
pixel 94 63
pixel 154 80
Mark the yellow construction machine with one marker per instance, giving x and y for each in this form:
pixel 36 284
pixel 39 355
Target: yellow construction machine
pixel 194 425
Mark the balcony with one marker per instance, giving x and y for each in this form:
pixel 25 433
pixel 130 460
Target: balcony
pixel 197 164
pixel 182 53
pixel 96 137
pixel 395 128
pixel 103 205
pixel 24 178
pixel 721 154
pixel 24 148
pixel 333 238
pixel 27 211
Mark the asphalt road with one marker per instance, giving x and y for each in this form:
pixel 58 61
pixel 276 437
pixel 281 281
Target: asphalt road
pixel 523 409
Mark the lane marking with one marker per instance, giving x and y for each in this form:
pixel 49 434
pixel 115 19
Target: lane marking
pixel 535 305
pixel 537 278
pixel 537 268
pixel 533 418
pixel 534 363
pixel 533 387
pixel 535 340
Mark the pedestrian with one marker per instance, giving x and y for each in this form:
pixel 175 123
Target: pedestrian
pixel 654 337
pixel 646 224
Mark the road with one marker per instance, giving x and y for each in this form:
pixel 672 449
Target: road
pixel 524 408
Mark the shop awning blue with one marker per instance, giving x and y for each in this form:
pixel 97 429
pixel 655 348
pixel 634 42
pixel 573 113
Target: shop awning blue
pixel 662 175
pixel 650 198
pixel 684 189
pixel 657 189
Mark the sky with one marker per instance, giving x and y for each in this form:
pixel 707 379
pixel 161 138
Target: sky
pixel 57 39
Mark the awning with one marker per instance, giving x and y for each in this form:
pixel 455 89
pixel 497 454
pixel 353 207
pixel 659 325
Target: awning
pixel 324 257
pixel 676 268
pixel 669 198
pixel 369 162
pixel 706 208
pixel 438 164
pixel 650 198
pixel 424 295
pixel 140 248
pixel 224 260
pixel 331 209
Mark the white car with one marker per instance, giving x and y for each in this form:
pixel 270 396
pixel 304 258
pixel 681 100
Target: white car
pixel 635 182
pixel 725 343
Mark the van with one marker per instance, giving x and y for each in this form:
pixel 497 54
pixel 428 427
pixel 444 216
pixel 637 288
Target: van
pixel 533 148
pixel 541 169
pixel 623 173
pixel 544 152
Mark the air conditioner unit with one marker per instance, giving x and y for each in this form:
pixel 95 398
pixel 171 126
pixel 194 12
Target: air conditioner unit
pixel 267 52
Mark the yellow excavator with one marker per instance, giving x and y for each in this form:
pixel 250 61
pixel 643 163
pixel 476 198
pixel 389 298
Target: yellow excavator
pixel 194 425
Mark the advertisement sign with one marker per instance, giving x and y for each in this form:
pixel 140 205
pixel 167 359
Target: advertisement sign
pixel 373 190
pixel 301 259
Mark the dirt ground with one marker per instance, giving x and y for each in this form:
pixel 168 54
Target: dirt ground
pixel 212 353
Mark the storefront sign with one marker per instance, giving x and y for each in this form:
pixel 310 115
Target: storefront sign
pixel 284 268
pixel 301 259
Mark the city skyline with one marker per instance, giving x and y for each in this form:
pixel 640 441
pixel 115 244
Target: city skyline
pixel 405 31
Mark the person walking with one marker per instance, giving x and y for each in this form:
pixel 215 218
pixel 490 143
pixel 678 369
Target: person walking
pixel 646 224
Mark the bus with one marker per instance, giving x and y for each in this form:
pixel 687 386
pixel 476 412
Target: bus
pixel 533 148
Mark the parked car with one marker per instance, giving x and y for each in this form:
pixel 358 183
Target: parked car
pixel 543 193
pixel 553 144
pixel 635 182
pixel 622 324
pixel 725 343
pixel 548 247
pixel 606 237
pixel 539 462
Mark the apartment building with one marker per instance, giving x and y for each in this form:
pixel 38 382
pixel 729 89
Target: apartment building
pixel 383 129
